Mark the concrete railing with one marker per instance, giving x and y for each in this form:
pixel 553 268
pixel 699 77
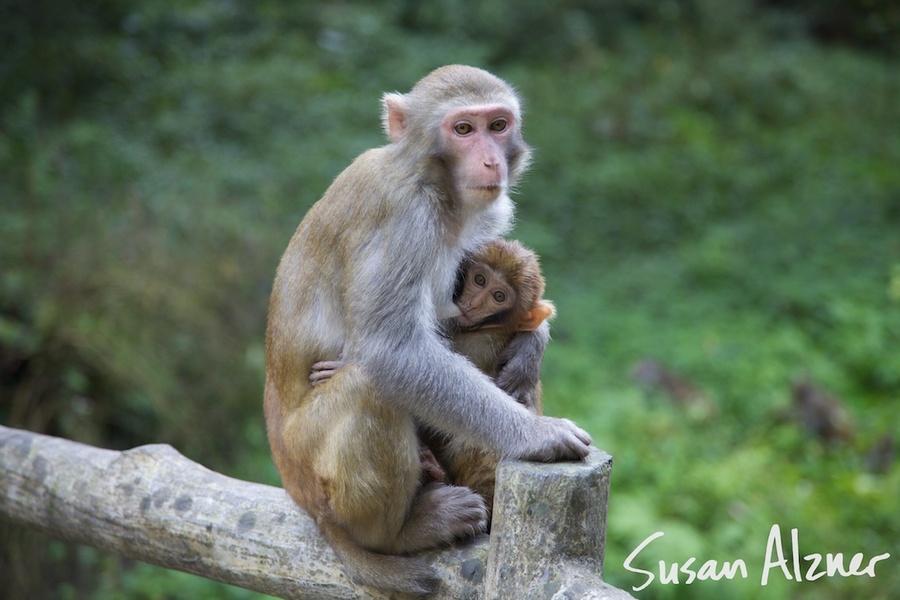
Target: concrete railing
pixel 153 504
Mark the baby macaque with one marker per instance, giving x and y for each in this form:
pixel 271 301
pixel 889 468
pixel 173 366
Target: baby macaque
pixel 501 327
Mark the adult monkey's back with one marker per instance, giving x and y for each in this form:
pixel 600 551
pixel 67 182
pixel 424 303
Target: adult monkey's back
pixel 364 276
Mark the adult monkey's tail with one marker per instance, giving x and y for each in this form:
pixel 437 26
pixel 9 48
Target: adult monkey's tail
pixel 409 574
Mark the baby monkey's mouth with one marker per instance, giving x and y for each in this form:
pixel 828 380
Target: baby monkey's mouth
pixel 465 320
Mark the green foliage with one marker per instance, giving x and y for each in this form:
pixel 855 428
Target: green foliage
pixel 62 49
pixel 867 23
pixel 714 187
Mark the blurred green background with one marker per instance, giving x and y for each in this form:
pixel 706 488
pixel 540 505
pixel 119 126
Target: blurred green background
pixel 715 197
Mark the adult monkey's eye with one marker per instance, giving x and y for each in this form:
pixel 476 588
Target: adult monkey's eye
pixel 499 297
pixel 462 128
pixel 480 280
pixel 498 125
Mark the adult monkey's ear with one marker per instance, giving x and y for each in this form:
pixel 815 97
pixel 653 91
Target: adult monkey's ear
pixel 393 118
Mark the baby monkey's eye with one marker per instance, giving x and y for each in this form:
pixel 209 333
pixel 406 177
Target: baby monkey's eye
pixel 499 297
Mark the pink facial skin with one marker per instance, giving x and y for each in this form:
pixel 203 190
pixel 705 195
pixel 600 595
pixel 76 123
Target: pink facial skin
pixel 478 136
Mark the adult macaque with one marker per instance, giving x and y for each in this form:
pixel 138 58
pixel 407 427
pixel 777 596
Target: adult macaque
pixel 364 275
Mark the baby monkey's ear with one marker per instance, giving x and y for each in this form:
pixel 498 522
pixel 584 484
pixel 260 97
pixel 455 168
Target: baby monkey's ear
pixel 532 319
